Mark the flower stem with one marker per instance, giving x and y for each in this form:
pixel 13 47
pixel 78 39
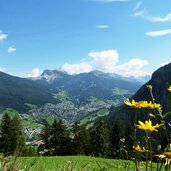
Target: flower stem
pixel 147 151
pixel 151 159
pixel 135 137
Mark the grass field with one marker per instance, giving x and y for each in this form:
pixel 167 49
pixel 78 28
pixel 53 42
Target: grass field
pixel 73 163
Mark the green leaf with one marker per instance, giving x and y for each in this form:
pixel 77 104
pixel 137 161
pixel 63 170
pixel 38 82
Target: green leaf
pixel 166 114
pixel 163 127
pixel 152 115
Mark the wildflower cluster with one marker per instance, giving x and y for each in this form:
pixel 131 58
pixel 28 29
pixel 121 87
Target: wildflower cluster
pixel 149 127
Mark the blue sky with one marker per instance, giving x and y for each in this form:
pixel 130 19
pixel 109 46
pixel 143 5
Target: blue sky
pixel 127 37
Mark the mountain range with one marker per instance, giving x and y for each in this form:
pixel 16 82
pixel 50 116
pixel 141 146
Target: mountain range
pixel 82 86
pixel 69 97
pixel 83 97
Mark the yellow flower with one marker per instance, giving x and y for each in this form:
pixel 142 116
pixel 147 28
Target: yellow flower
pixel 132 103
pixel 166 156
pixel 138 149
pixel 147 126
pixel 153 105
pixel 145 104
pixel 169 88
pixel 141 104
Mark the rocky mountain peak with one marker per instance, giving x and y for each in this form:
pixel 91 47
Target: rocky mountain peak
pixel 51 75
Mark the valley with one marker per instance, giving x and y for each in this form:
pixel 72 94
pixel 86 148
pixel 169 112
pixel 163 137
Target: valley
pixel 82 98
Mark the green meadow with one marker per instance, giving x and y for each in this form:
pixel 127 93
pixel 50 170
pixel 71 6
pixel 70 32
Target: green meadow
pixel 73 163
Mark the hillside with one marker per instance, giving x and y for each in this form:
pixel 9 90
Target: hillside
pixel 19 93
pixel 161 79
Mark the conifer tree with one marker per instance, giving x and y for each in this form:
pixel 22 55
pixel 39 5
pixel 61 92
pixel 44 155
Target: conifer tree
pixel 59 140
pixel 76 139
pixel 80 141
pixel 117 135
pixel 6 134
pixel 18 138
pixel 12 137
pixel 45 135
pixel 100 140
pixel 85 137
pixel 129 137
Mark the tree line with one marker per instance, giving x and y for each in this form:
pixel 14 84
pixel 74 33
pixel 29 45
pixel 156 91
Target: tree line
pixel 58 140
pixel 100 141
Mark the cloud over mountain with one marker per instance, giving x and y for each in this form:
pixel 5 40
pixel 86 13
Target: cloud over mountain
pixel 35 73
pixel 77 68
pixel 107 61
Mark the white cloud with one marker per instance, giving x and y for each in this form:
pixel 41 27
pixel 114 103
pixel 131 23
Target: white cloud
pixel 2 69
pixel 134 67
pixel 167 18
pixel 3 36
pixel 139 13
pixel 137 5
pixel 144 14
pixel 139 10
pixel 107 61
pixel 77 68
pixel 102 26
pixel 104 60
pixel 158 33
pixel 11 50
pixel 35 73
pixel 164 63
